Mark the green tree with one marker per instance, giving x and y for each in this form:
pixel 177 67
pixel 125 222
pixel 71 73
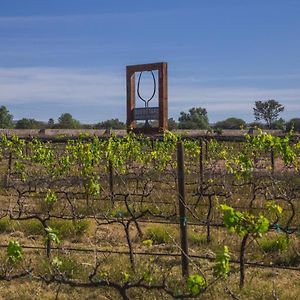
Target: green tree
pixel 112 123
pixel 66 121
pixel 279 124
pixel 257 125
pixel 50 123
pixel 196 118
pixel 231 123
pixel 172 124
pixel 268 111
pixel 29 124
pixel 293 124
pixel 6 119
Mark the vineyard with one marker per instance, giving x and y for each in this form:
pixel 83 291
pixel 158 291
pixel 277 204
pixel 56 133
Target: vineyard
pixel 135 217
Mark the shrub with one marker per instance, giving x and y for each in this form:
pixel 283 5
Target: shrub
pixel 293 124
pixel 5 225
pixel 120 213
pixel 290 259
pixel 231 123
pixel 273 245
pixel 196 239
pixel 31 227
pixel 66 265
pixel 66 228
pixel 70 228
pixel 157 234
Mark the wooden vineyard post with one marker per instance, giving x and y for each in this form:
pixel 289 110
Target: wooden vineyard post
pixel 182 210
pixel 111 180
pixel 201 166
pixel 206 149
pixel 27 148
pixel 48 247
pixel 7 178
pixel 272 160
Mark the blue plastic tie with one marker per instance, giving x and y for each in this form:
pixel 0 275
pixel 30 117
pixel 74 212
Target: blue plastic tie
pixel 183 221
pixel 277 227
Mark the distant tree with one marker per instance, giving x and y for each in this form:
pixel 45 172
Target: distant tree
pixel 87 126
pixel 172 124
pixel 293 124
pixel 257 125
pixel 66 121
pixel 231 123
pixel 268 111
pixel 279 124
pixel 6 119
pixel 112 123
pixel 153 123
pixel 29 124
pixel 196 118
pixel 51 122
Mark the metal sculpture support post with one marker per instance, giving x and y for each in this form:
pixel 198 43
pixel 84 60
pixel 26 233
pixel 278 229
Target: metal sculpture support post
pixel 147 113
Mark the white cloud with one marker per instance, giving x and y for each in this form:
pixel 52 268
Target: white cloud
pixel 27 85
pixel 18 20
pixel 106 93
pixel 223 102
pixel 233 94
pixel 103 16
pixel 226 78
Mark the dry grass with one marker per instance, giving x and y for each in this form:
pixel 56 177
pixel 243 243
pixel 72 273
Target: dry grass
pixel 268 283
pixel 260 283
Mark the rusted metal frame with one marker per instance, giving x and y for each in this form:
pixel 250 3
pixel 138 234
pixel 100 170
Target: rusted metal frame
pixel 162 95
pixel 130 78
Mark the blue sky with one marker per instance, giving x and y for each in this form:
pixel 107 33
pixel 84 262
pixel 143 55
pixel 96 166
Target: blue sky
pixel 70 56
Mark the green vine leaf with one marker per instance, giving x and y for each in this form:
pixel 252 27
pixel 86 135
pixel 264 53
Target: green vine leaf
pixel 14 251
pixel 222 267
pixel 52 235
pixel 195 284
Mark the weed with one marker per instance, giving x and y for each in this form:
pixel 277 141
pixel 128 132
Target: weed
pixel 157 234
pixel 66 228
pixel 31 227
pixel 273 245
pixel 148 243
pixel 120 213
pixel 70 228
pixel 66 265
pixel 196 239
pixel 5 225
pixel 289 260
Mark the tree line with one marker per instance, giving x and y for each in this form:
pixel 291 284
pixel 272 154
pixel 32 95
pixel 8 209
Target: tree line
pixel 266 114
